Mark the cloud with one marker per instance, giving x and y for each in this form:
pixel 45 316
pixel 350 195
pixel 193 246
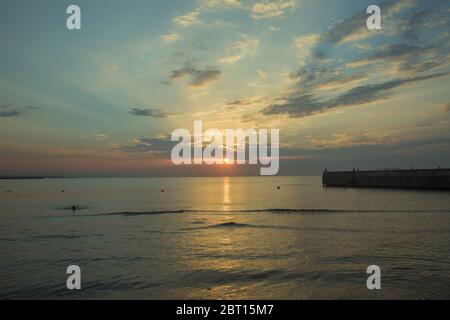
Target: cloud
pixel 241 48
pixel 404 62
pixel 212 4
pixel 101 136
pixel 395 51
pixel 8 112
pixel 307 104
pixel 359 138
pixel 372 137
pixel 197 77
pixel 171 37
pixel 262 9
pixel 350 29
pixel 193 17
pixel 204 77
pixel 262 74
pixel 420 48
pixel 273 8
pixel 306 46
pixel 409 57
pixel 411 27
pixel 156 145
pixel 308 78
pixel 354 28
pixel 188 19
pixel 155 113
pixel 245 102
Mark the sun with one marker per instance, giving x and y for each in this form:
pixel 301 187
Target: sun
pixel 226 161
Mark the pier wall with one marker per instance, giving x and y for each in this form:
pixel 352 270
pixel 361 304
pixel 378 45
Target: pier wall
pixel 413 179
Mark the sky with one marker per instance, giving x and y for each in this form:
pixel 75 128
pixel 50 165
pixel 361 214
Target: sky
pixel 103 100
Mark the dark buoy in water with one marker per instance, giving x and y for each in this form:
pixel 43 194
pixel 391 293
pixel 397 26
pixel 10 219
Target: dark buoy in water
pixel 63 190
pixel 8 191
pixel 278 187
pixel 74 208
pixel 162 190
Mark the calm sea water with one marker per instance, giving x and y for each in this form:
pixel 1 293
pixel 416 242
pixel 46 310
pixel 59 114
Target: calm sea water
pixel 221 238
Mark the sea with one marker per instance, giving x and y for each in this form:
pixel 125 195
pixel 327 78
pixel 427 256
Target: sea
pixel 221 238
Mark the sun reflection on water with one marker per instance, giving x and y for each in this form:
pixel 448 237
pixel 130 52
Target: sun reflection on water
pixel 226 194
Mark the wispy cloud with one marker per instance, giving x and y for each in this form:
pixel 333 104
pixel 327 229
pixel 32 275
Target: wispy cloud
pixel 188 19
pixel 155 113
pixel 400 61
pixel 193 17
pixel 171 37
pixel 354 28
pixel 273 8
pixel 213 4
pixel 309 78
pixel 155 145
pixel 306 45
pixel 408 57
pixel 347 30
pixel 245 46
pixel 360 138
pixel 101 136
pixel 412 26
pixel 8 111
pixel 198 77
pixel 245 102
pixel 307 105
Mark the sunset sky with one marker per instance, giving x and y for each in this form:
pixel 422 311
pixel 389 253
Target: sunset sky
pixel 102 101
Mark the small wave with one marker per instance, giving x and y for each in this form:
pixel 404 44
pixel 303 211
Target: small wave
pixel 143 213
pixel 305 211
pixel 58 236
pixel 219 277
pixel 197 222
pixel 233 224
